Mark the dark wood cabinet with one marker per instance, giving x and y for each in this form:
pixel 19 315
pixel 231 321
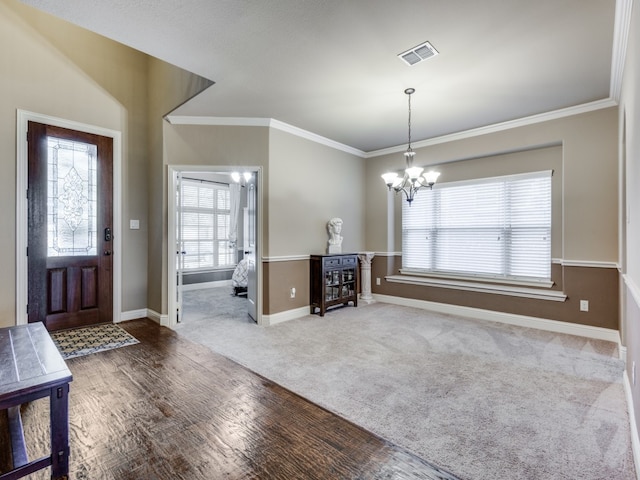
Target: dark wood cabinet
pixel 334 281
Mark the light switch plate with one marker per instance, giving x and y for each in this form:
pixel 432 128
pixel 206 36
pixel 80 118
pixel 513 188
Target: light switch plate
pixel 134 224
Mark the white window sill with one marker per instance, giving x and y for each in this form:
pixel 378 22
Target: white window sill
pixel 194 271
pixel 482 279
pixel 480 287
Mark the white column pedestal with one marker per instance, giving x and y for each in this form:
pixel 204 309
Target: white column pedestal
pixel 365 276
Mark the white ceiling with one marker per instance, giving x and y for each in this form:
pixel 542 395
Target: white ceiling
pixel 330 66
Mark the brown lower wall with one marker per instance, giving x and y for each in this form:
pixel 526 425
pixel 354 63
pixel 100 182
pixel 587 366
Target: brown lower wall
pixel 597 285
pixel 278 279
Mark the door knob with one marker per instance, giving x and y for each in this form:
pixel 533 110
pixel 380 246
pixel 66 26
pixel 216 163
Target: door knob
pixel 107 253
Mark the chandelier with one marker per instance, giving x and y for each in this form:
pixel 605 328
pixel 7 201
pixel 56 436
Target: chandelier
pixel 413 179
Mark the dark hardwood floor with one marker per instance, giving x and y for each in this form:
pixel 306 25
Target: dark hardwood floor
pixel 170 409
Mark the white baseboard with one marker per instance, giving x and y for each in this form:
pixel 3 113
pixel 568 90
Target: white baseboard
pixel 556 326
pixel 268 320
pixel 203 285
pixel 132 315
pixel 635 440
pixel 158 318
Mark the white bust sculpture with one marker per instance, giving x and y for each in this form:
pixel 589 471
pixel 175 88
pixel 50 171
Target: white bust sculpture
pixel 334 226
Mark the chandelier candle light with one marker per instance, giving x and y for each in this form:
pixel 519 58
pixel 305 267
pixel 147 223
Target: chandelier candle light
pixel 413 179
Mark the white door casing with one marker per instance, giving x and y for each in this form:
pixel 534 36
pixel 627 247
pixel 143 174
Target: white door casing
pixel 173 175
pixel 22 176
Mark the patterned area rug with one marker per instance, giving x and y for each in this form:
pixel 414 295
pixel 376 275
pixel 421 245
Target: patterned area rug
pixel 84 341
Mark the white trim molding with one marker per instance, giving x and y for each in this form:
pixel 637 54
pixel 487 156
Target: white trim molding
pixel 204 285
pixel 621 29
pixel 632 287
pixel 133 315
pixel 264 122
pixel 511 290
pixel 554 261
pixel 499 127
pixel 268 320
pixel 160 319
pixel 285 258
pixel 299 132
pixel 635 440
pixel 586 331
pixel 589 264
pixel 218 121
pixel 388 254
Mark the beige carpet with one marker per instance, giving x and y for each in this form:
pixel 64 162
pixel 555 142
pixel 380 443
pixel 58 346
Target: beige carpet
pixel 480 399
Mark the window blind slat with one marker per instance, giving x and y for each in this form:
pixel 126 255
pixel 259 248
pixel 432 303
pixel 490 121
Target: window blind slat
pixel 496 227
pixel 205 224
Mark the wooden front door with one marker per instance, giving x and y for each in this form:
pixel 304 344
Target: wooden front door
pixel 70 227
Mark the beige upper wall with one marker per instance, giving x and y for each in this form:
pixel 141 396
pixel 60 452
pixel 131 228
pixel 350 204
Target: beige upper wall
pixel 304 183
pixel 193 145
pixel 167 88
pixel 203 145
pixel 589 176
pixel 53 68
pixel 309 184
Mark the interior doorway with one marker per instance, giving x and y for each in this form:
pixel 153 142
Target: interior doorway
pixel 213 223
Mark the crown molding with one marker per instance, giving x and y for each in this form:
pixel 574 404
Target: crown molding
pixel 498 127
pixel 620 41
pixel 264 122
pixel 285 127
pixel 218 121
pixel 299 132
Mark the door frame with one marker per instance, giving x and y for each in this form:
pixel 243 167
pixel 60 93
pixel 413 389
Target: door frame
pixel 22 234
pixel 172 176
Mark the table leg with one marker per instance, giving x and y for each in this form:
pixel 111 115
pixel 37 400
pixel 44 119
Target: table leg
pixel 60 432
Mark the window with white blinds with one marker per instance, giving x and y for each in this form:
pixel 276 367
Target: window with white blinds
pixel 494 228
pixel 205 225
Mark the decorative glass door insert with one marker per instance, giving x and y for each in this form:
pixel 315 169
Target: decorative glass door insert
pixel 71 198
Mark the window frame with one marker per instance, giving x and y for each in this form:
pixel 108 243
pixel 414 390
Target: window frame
pixel 213 212
pixel 454 276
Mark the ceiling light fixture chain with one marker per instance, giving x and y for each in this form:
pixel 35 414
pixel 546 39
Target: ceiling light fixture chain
pixel 413 179
pixel 409 92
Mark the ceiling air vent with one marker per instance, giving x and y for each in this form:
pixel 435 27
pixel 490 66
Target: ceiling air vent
pixel 417 54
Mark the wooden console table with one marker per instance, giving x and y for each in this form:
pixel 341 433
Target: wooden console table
pixel 31 368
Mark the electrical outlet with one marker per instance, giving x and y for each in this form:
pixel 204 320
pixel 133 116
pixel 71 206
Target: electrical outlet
pixel 584 305
pixel 377 280
pixel 293 292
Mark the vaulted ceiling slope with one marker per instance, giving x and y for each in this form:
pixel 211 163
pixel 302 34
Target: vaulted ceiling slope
pixel 331 67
